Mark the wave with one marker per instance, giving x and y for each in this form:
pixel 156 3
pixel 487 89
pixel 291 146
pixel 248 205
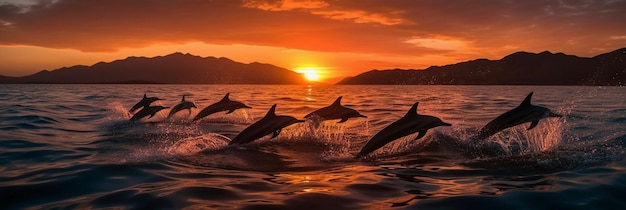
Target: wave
pixel 304 147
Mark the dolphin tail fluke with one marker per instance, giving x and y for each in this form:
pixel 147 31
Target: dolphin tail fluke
pixel 533 124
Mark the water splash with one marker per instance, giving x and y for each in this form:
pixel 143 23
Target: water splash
pixel 334 140
pixel 519 141
pixel 119 112
pixel 192 145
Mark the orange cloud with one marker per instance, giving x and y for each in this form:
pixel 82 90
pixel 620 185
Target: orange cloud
pixel 284 5
pixel 440 43
pixel 325 9
pixel 359 16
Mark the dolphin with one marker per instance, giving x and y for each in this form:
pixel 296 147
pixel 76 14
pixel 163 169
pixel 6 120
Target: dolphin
pixel 271 123
pixel 180 106
pixel 223 105
pixel 411 122
pixel 147 110
pixel 334 111
pixel 145 101
pixel 521 114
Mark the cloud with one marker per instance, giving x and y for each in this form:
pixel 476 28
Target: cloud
pixel 327 10
pixel 284 5
pixel 440 43
pixel 463 29
pixel 359 16
pixel 618 37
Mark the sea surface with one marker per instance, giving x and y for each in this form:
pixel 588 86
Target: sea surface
pixel 73 147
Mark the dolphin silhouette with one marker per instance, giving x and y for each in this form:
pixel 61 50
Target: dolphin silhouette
pixel 144 102
pixel 147 110
pixel 411 122
pixel 180 106
pixel 271 123
pixel 334 111
pixel 523 113
pixel 223 105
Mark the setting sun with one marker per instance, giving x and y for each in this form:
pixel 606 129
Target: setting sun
pixel 310 73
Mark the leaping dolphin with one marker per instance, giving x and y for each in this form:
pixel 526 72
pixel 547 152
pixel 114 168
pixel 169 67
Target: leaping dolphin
pixel 180 106
pixel 147 110
pixel 411 122
pixel 271 123
pixel 223 105
pixel 144 102
pixel 523 113
pixel 334 111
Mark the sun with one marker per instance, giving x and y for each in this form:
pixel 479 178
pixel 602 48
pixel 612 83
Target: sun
pixel 310 73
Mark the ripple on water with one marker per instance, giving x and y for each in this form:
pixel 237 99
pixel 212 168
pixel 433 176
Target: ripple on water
pixel 72 147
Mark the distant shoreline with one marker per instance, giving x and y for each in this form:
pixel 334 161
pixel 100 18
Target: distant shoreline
pixel 156 83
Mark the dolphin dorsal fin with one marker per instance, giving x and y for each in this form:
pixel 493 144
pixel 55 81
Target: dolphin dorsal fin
pixel 526 101
pixel 144 96
pixel 271 112
pixel 412 111
pixel 337 102
pixel 226 97
pixel 183 99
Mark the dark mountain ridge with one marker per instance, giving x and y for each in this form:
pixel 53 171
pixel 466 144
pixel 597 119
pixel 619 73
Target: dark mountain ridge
pixel 176 68
pixel 520 68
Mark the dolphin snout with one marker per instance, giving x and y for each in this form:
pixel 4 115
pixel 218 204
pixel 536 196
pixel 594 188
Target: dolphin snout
pixel 445 124
pixel 363 116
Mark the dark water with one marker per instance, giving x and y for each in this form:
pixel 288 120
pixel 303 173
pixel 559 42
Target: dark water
pixel 72 147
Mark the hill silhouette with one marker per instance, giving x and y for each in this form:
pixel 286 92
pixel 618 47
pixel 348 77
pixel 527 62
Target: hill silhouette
pixel 520 68
pixel 176 68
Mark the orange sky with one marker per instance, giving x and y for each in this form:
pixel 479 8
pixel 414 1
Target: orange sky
pixel 342 37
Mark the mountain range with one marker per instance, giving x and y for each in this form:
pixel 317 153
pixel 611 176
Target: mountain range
pixel 176 68
pixel 520 68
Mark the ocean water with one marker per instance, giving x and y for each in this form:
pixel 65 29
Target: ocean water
pixel 73 147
